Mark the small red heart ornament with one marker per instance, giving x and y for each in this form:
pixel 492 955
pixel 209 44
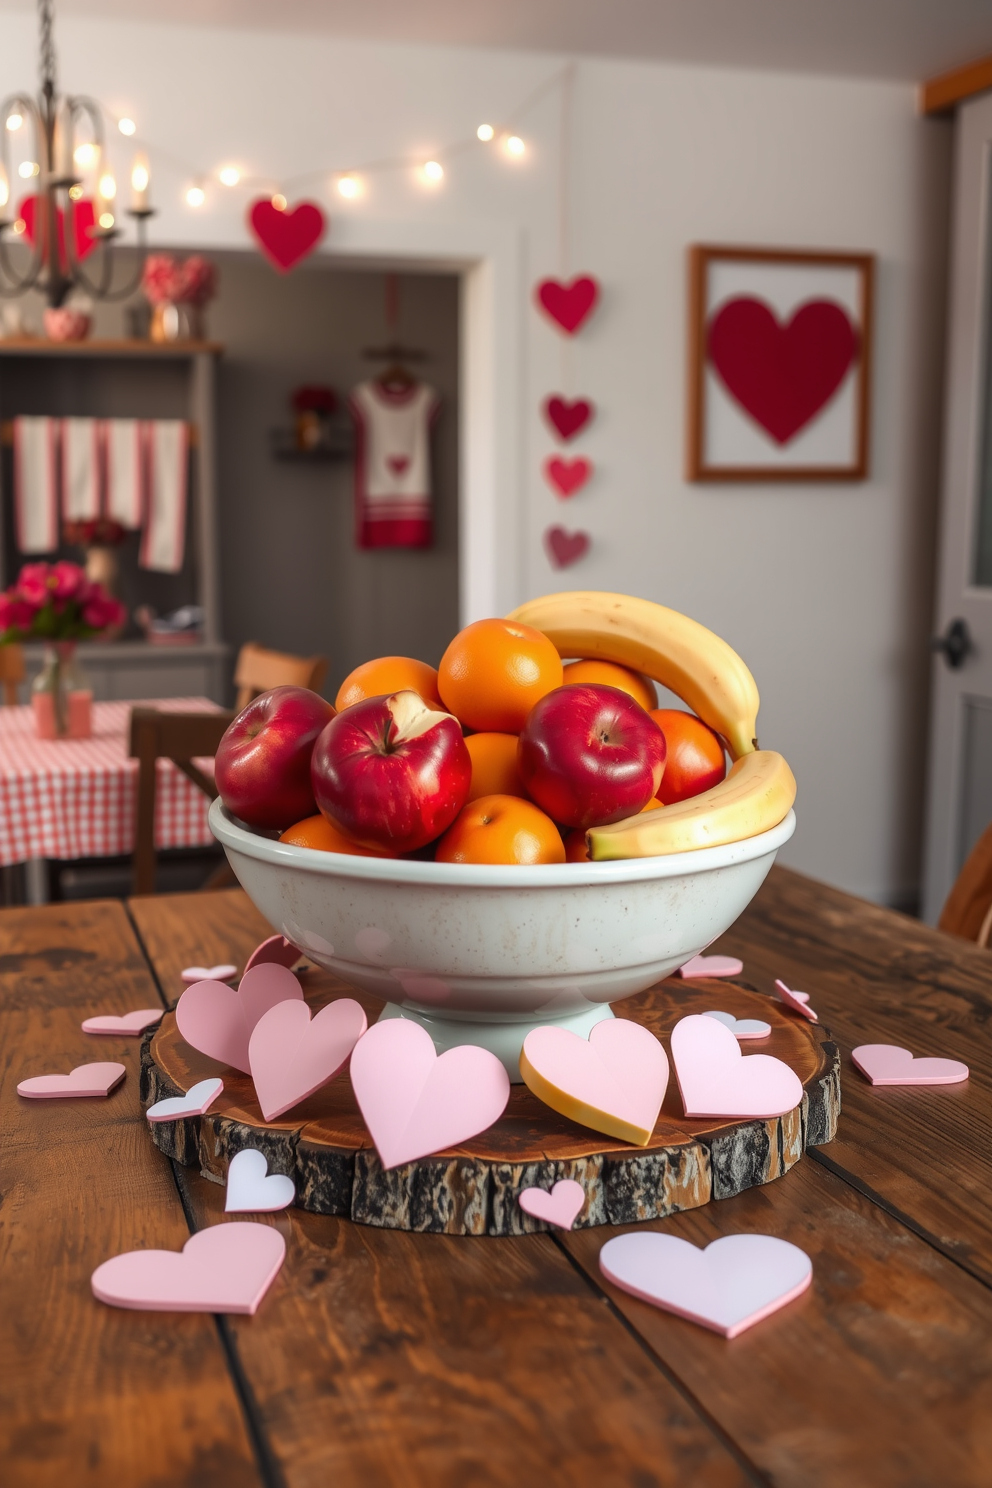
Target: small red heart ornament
pixel 83 219
pixel 565 548
pixel 567 476
pixel 569 305
pixel 286 237
pixel 568 418
pixel 782 374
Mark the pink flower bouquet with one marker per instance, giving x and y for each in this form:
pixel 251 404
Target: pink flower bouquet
pixel 56 602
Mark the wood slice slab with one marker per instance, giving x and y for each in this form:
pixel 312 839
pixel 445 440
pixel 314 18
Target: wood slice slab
pixel 323 1144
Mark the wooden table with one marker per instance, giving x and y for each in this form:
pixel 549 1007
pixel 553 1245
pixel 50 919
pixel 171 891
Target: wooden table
pixel 381 1357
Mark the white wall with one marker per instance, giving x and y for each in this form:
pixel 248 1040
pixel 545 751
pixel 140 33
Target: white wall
pixel 824 590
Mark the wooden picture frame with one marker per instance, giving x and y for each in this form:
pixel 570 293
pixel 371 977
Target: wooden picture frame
pixel 791 398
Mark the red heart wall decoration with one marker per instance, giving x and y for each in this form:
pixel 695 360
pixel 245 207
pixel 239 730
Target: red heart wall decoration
pixel 567 418
pixel 567 476
pixel 569 305
pixel 286 237
pixel 782 374
pixel 83 219
pixel 565 548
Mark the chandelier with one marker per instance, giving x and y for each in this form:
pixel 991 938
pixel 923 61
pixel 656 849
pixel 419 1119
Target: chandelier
pixel 60 145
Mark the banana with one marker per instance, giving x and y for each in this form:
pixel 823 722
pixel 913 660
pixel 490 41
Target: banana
pixel 678 652
pixel 756 795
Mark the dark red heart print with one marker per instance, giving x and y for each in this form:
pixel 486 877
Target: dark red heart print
pixel 782 374
pixel 289 236
pixel 569 305
pixel 398 464
pixel 568 418
pixel 565 548
pixel 83 219
pixel 567 476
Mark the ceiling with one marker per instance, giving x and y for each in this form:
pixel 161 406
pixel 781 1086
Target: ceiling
pixel 908 39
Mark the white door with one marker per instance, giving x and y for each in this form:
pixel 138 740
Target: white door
pixel 959 804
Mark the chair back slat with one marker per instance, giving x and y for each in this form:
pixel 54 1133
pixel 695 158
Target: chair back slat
pixel 967 910
pixel 259 670
pixel 181 738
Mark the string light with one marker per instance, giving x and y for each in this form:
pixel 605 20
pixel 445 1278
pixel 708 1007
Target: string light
pixel 85 155
pixel 279 202
pixel 515 145
pixel 20 225
pixel 27 169
pixel 433 170
pixel 14 122
pixel 196 196
pixel 76 193
pixel 126 126
pixel 230 175
pixel 485 132
pixel 108 187
pixel 348 187
pixel 4 188
pixel 106 220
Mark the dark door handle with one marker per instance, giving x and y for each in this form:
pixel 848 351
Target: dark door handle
pixel 956 643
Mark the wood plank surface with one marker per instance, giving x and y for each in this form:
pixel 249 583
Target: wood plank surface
pixel 205 929
pixel 875 976
pixel 92 1395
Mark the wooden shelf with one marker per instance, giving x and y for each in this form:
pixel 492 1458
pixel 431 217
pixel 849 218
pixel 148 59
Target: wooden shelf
pixel 283 446
pixel 106 347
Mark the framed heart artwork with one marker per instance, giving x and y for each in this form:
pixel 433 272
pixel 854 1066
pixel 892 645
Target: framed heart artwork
pixel 779 365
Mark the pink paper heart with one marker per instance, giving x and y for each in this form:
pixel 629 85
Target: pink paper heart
pixel 415 1103
pixel 716 1080
pixel 128 1023
pixel 560 1207
pixel 196 1102
pixel 741 1028
pixel 218 1020
pixel 567 476
pixel 569 305
pixel 568 418
pixel 227 1268
pixel 85 1079
pixel 711 966
pixel 223 972
pixel 731 1285
pixel 289 235
pixel 291 1055
pixel 276 951
pixel 797 1001
pixel 565 548
pixel 888 1064
pixel 613 1081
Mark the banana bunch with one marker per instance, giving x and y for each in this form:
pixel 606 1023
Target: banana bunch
pixel 704 672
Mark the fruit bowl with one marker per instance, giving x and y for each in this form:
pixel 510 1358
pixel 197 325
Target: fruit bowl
pixel 481 955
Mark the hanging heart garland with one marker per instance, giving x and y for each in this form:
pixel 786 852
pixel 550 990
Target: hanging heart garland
pixel 567 476
pixel 83 221
pixel 289 235
pixel 565 548
pixel 568 305
pixel 568 418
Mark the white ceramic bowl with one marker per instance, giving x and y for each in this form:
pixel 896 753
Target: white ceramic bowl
pixel 482 954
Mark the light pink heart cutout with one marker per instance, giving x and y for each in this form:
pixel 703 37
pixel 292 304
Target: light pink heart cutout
pixel 711 966
pixel 797 1001
pixel 220 973
pixel 196 1102
pixel 218 1020
pixel 716 1080
pixel 612 1081
pixel 292 1055
pixel 131 1024
pixel 85 1079
pixel 731 1285
pixel 277 951
pixel 227 1268
pixel 560 1207
pixel 414 1102
pixel 888 1064
pixel 741 1028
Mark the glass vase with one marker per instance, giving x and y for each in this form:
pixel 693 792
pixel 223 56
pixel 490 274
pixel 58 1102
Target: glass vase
pixel 62 696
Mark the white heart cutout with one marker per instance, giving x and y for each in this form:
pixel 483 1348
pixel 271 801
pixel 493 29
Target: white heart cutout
pixel 252 1189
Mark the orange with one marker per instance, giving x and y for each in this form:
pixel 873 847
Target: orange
pixel 494 672
pixel 501 829
pixel 694 762
pixel 576 850
pixel 385 675
pixel 611 674
pixel 494 766
pixel 318 832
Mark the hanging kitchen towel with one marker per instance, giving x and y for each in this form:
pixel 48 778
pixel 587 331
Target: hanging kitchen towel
pixel 393 464
pixel 80 447
pixel 125 472
pixel 35 485
pixel 163 541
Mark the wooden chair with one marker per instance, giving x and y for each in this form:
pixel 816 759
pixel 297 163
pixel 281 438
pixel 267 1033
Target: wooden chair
pixel 11 671
pixel 180 737
pixel 968 911
pixel 257 670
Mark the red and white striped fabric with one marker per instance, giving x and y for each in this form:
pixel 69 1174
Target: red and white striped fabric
pixel 36 517
pixel 75 798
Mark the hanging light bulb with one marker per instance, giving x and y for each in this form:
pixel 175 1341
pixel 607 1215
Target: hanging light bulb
pixel 348 187
pixel 106 220
pixel 485 132
pixel 515 145
pixel 108 186
pixel 230 175
pixel 279 201
pixel 434 170
pixel 76 192
pixel 86 155
pixel 126 126
pixel 14 122
pixel 196 196
pixel 27 169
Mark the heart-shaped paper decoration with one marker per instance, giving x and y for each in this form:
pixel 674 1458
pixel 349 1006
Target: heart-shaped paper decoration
pixel 286 237
pixel 560 1207
pixel 85 1079
pixel 292 1055
pixel 568 418
pixel 83 220
pixel 565 548
pixel 712 966
pixel 716 1080
pixel 130 1024
pixel 614 1081
pixel 227 1268
pixel 731 1285
pixel 197 1100
pixel 415 1103
pixel 567 476
pixel 797 1001
pixel 888 1064
pixel 741 1028
pixel 223 972
pixel 276 951
pixel 218 1020
pixel 250 1191
pixel 569 305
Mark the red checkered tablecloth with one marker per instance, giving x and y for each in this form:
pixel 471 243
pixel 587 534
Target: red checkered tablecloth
pixel 75 798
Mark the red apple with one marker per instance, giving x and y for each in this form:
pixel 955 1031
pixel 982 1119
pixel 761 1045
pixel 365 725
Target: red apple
pixel 262 765
pixel 392 771
pixel 589 754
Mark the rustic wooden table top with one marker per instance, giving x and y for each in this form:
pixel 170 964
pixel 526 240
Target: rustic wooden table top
pixel 381 1357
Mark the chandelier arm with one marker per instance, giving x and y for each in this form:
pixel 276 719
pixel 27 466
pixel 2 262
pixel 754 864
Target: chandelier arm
pixel 102 290
pixel 11 286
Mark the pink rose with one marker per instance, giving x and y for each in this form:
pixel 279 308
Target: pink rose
pixel 102 611
pixel 32 584
pixel 15 613
pixel 66 581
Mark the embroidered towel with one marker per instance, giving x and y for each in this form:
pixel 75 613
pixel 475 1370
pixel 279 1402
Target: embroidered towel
pixel 80 446
pixel 35 485
pixel 163 542
pixel 392 464
pixel 125 472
